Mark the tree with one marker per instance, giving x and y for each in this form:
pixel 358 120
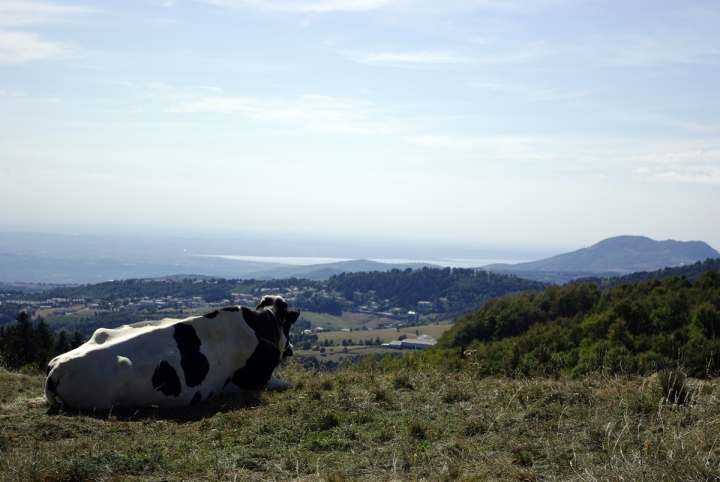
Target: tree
pixel 77 340
pixel 45 343
pixel 62 345
pixel 18 343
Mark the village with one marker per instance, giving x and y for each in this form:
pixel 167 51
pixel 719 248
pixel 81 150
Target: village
pixel 316 334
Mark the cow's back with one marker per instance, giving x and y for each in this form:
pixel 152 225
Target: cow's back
pixel 166 363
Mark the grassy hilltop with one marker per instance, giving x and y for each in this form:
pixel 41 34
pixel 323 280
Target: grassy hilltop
pixel 556 385
pixel 393 420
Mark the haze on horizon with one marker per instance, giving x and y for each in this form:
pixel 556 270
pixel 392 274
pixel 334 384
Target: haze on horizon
pixel 497 123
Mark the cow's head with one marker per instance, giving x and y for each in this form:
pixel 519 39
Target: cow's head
pixel 285 318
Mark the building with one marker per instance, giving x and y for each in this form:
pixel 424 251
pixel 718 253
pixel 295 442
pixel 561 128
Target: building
pixel 419 343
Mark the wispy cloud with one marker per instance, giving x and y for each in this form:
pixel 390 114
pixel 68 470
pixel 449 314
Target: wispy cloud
pixel 315 112
pixel 22 97
pixel 17 13
pixel 303 6
pixel 408 6
pixel 19 47
pixel 666 47
pixel 533 93
pixel 696 166
pixel 399 58
pixel 661 120
pixel 438 58
pixel 694 174
pixel 708 156
pixel 490 147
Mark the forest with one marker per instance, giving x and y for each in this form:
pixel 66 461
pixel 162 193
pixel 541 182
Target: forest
pixel 630 328
pixel 454 291
pixel 28 345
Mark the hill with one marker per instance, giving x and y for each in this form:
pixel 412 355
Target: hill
pixel 619 255
pixel 393 420
pixel 691 272
pixel 633 327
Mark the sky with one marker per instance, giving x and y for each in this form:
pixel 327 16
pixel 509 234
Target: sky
pixel 504 123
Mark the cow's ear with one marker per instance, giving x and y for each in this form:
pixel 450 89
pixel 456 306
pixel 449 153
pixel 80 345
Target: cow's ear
pixel 293 316
pixel 266 300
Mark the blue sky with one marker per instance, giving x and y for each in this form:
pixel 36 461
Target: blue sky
pixel 553 123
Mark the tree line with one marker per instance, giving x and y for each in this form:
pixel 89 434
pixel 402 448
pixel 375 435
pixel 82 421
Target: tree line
pixel 451 290
pixel 33 345
pixel 634 327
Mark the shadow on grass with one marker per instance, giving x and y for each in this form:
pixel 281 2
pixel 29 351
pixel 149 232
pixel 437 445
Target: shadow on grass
pixel 207 409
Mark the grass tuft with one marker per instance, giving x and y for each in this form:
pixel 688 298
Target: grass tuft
pixel 672 383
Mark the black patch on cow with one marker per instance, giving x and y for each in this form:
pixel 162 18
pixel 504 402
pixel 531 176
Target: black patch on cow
pixel 226 382
pixel 264 324
pixel 212 314
pixel 288 352
pixel 197 398
pixel 195 365
pixel 47 370
pixel 50 385
pixel 166 379
pixel 210 396
pixel 259 367
pixel 231 308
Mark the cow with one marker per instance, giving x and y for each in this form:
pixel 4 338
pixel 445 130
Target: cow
pixel 176 362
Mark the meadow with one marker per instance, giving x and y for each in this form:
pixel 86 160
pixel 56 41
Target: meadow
pixel 336 352
pixel 396 419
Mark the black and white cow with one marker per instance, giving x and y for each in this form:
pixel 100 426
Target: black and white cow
pixel 176 363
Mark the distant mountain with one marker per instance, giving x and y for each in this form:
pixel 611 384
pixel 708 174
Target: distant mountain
pixel 617 256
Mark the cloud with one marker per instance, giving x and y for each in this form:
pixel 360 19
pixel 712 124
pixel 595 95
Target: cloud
pixel 491 147
pixel 405 6
pixel 17 13
pixel 303 6
pixel 662 48
pixel 158 85
pixel 706 156
pixel 19 47
pixel 315 112
pixel 437 58
pixel 696 166
pixel 533 93
pixel 661 120
pixel 399 58
pixel 694 174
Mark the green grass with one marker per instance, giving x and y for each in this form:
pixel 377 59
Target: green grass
pixel 386 335
pixel 376 421
pixel 325 320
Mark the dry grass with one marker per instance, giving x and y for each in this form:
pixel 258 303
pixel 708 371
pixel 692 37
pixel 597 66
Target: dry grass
pixel 375 423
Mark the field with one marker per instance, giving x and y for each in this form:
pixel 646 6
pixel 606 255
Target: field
pixel 386 335
pixel 347 320
pixel 393 420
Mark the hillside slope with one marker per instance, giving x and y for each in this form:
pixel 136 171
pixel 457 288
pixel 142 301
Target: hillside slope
pixel 634 327
pixel 621 255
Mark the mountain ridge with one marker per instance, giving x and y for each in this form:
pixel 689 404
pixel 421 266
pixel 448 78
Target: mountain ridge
pixel 619 255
